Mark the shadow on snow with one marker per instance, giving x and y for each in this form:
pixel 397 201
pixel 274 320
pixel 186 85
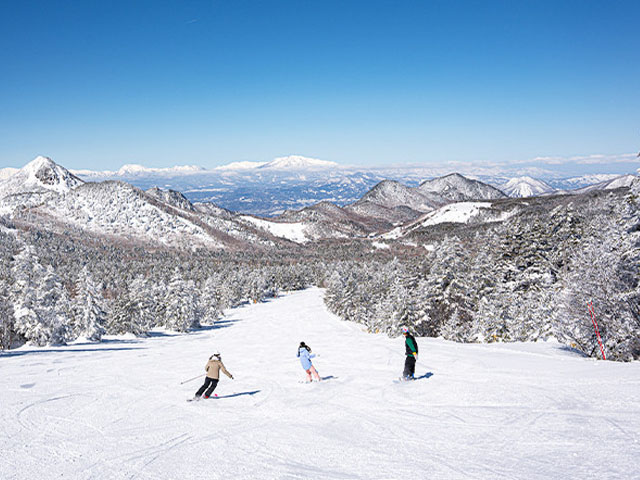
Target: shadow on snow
pixel 66 349
pixel 253 392
pixel 215 326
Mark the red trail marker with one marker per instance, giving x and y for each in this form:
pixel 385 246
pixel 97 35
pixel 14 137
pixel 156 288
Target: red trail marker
pixel 595 326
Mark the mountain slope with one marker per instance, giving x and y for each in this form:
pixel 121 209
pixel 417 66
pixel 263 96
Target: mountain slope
pixel 526 187
pixel 297 162
pixel 471 411
pixel 119 210
pixel 457 188
pixel 391 194
pixel 618 182
pixel 40 175
pixel 295 182
pixel 45 195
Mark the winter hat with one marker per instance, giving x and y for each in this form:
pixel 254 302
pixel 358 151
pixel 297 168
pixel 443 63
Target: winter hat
pixel 405 329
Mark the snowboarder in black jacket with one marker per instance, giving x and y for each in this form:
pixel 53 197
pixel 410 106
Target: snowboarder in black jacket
pixel 411 351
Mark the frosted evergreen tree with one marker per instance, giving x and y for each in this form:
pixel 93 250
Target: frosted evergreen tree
pixel 209 306
pixel 181 306
pixel 257 287
pixel 594 276
pixel 34 296
pixel 89 316
pixel 54 305
pixel 230 289
pixel 145 302
pixel 124 317
pixel 334 290
pixel 8 336
pixel 26 271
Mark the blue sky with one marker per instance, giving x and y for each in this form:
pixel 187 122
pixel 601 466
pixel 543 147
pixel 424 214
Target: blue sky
pixel 161 83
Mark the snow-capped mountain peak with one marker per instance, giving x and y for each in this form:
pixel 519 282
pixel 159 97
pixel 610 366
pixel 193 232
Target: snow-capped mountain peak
pixel 526 187
pixel 135 169
pixel 41 174
pixel 298 162
pixel 617 182
pixel 241 166
pixel 455 187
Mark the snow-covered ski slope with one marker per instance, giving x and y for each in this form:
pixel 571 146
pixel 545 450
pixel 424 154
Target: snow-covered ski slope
pixel 117 409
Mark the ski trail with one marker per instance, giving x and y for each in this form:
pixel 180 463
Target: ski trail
pixel 117 410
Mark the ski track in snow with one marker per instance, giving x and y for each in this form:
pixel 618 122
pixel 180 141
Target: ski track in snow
pixel 117 409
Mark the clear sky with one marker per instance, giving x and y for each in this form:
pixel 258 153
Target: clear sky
pixel 97 84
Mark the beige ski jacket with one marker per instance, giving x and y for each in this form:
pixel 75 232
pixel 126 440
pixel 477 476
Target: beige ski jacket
pixel 213 369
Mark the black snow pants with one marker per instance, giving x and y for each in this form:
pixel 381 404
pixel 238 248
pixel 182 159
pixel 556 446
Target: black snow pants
pixel 409 366
pixel 212 383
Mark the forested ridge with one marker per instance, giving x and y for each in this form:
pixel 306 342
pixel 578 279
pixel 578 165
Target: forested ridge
pixel 528 277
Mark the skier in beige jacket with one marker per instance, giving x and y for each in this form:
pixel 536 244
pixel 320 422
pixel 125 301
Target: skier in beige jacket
pixel 213 367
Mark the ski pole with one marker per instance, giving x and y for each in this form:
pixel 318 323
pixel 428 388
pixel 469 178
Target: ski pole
pixel 191 379
pixel 595 326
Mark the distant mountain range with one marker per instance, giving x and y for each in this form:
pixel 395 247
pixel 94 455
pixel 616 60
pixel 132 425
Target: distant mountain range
pixel 48 196
pixel 295 182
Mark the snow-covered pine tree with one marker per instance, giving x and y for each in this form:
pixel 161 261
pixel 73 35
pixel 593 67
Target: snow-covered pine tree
pixel 26 271
pixel 143 297
pixel 55 307
pixel 182 305
pixel 230 288
pixel 209 306
pixel 89 316
pixel 8 336
pixel 125 315
pixel 594 275
pixel 40 304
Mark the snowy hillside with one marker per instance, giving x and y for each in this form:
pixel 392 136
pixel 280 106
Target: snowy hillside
pixel 39 175
pixel 391 194
pixel 140 171
pixel 326 220
pixel 297 162
pixel 117 410
pixel 171 197
pixel 456 188
pixel 526 187
pixel 397 203
pixel 460 212
pixel 290 231
pixel 294 182
pixel 574 183
pixel 58 201
pixel 240 166
pixel 617 182
pixel 120 210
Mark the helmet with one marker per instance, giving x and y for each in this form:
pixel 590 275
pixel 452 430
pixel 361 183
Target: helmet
pixel 405 329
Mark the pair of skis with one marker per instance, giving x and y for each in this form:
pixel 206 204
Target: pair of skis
pixel 197 399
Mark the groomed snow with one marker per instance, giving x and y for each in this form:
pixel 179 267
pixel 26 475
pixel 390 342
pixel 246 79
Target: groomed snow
pixel 291 231
pixel 460 212
pixel 117 410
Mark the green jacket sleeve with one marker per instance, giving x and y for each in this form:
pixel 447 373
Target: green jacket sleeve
pixel 412 345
